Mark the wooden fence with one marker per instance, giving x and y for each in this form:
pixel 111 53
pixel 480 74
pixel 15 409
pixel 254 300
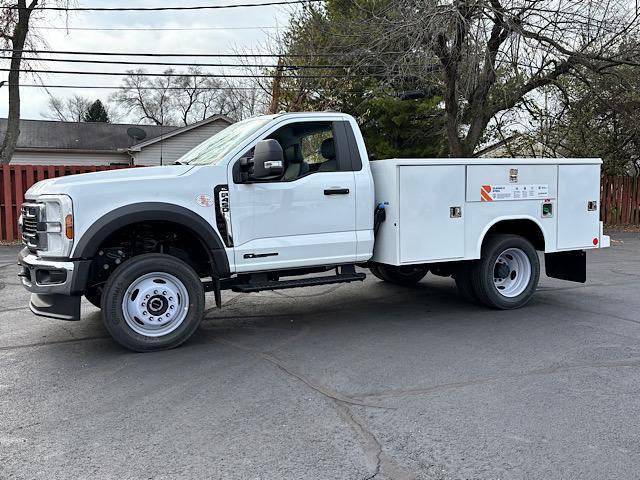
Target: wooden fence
pixel 15 180
pixel 620 201
pixel 619 205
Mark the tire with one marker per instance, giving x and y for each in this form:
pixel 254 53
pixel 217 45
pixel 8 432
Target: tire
pixel 94 296
pixel 376 272
pixel 406 276
pixel 465 283
pixel 507 275
pixel 152 302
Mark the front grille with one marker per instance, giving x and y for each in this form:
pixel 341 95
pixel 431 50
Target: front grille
pixel 32 226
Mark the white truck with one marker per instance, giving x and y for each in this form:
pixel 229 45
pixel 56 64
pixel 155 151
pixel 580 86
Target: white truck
pixel 289 201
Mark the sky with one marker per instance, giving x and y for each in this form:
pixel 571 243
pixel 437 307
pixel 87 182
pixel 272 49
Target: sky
pixel 228 39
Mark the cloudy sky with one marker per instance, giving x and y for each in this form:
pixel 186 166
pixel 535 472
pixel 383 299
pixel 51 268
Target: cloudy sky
pixel 226 32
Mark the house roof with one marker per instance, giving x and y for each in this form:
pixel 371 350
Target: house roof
pixel 178 131
pixel 51 135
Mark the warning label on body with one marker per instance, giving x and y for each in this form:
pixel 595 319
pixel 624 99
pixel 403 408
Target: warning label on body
pixel 496 193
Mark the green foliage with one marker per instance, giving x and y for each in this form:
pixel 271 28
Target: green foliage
pixel 361 86
pixel 97 113
pixel 602 119
pixel 397 128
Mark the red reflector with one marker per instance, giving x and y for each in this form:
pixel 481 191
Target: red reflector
pixel 595 241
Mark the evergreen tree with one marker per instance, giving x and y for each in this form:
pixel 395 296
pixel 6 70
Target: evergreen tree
pixel 97 113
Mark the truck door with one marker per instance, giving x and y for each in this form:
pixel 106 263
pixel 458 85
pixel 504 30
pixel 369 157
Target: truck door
pixel 305 218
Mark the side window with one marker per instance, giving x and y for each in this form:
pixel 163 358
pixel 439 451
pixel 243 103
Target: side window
pixel 312 145
pixel 310 148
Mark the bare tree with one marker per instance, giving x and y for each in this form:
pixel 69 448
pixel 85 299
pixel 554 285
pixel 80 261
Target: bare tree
pixel 486 56
pixel 72 109
pixel 16 24
pixel 15 28
pixel 185 98
pixel 148 99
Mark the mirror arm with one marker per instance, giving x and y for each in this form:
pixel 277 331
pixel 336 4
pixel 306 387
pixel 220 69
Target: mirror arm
pixel 246 168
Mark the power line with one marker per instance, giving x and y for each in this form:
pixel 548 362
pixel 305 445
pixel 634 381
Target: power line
pixel 204 75
pixel 179 64
pixel 120 87
pixel 203 55
pixel 155 29
pixel 162 9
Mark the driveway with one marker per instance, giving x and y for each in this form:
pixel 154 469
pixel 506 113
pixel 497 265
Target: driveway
pixel 346 382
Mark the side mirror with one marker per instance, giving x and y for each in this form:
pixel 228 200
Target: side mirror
pixel 268 161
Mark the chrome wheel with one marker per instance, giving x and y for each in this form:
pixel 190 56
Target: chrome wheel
pixel 512 272
pixel 155 304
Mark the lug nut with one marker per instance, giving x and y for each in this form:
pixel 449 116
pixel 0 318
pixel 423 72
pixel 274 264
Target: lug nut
pixel 172 307
pixel 151 319
pixel 155 292
pixel 145 313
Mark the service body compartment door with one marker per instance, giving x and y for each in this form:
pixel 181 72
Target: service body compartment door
pixel 428 231
pixel 578 191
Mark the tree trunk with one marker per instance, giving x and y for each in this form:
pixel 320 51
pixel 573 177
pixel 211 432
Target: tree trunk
pixel 13 120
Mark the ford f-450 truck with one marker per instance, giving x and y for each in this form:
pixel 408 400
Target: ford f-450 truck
pixel 290 201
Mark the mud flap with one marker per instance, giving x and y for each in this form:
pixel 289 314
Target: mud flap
pixel 571 266
pixel 60 307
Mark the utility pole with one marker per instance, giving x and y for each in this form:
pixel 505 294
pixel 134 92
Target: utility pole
pixel 276 87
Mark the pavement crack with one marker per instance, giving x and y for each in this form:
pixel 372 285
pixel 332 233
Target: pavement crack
pixel 55 342
pixel 479 381
pixel 592 312
pixel 14 309
pixel 321 389
pixel 382 463
pixel 372 447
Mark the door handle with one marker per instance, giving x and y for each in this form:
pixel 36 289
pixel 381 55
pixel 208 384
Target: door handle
pixel 336 191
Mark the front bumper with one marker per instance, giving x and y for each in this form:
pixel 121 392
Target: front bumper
pixel 55 286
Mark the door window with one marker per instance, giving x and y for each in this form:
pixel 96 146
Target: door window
pixel 309 148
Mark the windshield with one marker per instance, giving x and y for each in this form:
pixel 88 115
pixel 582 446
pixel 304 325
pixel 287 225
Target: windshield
pixel 212 151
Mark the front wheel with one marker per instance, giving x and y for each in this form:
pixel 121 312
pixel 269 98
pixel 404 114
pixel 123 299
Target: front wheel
pixel 507 275
pixel 152 302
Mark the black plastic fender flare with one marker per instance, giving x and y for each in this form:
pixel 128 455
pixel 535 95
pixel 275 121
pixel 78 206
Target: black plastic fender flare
pixel 91 240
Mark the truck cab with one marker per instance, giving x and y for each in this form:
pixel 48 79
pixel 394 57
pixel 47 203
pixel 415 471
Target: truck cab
pixel 290 201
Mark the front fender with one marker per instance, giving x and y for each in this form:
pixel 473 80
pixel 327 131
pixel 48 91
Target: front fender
pixel 88 245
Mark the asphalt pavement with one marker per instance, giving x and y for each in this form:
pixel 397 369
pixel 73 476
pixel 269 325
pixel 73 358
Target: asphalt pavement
pixel 337 382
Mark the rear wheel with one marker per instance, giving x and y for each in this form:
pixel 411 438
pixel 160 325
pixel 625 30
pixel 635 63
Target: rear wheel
pixel 464 281
pixel 507 275
pixel 406 275
pixel 152 302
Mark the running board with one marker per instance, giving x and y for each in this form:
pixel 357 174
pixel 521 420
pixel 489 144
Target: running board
pixel 298 283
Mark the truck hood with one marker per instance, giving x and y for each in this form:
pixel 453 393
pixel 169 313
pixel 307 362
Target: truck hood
pixel 69 184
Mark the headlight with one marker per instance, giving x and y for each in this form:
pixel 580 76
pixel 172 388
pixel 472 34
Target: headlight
pixel 57 221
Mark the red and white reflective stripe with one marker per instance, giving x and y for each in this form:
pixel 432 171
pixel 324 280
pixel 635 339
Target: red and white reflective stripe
pixel 485 193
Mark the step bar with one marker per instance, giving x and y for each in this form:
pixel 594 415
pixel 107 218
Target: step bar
pixel 347 275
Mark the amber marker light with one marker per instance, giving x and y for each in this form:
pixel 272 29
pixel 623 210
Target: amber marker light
pixel 68 226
